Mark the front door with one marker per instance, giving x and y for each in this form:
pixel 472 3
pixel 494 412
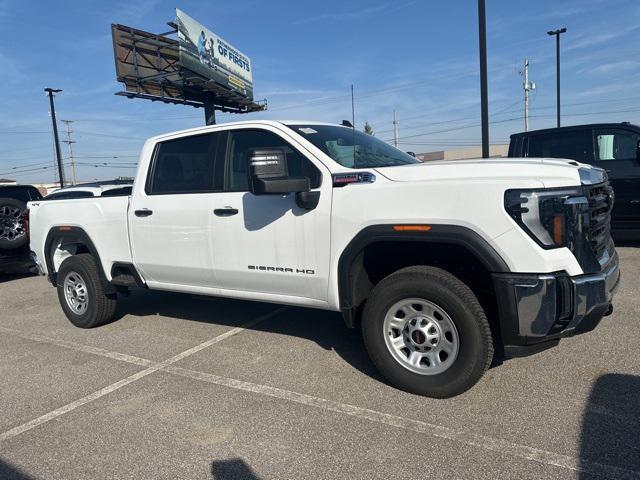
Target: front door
pixel 170 220
pixel 266 243
pixel 617 152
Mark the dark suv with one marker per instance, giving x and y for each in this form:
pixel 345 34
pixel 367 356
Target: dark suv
pixel 614 147
pixel 14 226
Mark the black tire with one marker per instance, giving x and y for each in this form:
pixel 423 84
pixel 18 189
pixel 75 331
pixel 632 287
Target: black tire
pixel 100 307
pixel 475 350
pixel 12 232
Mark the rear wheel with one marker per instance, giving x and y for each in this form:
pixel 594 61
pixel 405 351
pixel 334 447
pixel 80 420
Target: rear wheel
pixel 81 293
pixel 426 332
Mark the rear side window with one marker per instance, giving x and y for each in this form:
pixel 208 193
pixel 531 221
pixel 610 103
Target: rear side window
pixel 571 144
pixel 117 192
pixel 69 195
pixel 616 144
pixel 241 141
pixel 184 165
pixel 22 193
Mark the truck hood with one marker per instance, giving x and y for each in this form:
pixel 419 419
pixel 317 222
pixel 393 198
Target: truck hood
pixel 552 172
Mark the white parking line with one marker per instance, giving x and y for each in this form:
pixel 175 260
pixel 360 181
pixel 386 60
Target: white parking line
pixel 123 357
pixel 154 367
pixel 466 438
pixel 479 441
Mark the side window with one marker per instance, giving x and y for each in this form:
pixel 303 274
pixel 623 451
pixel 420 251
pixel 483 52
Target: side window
pixel 117 192
pixel 20 193
pixel 69 195
pixel 241 141
pixel 34 194
pixel 571 144
pixel 184 165
pixel 616 144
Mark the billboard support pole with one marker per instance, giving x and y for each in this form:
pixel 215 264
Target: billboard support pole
pixel 209 109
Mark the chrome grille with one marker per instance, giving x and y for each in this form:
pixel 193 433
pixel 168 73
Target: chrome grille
pixel 600 198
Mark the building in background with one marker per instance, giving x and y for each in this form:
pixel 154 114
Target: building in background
pixel 495 151
pixel 6 181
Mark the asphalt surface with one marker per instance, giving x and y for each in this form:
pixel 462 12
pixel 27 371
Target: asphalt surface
pixel 183 386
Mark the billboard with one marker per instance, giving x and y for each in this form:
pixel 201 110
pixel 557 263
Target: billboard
pixel 205 53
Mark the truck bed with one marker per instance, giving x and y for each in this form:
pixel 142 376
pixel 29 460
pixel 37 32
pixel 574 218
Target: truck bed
pixel 103 219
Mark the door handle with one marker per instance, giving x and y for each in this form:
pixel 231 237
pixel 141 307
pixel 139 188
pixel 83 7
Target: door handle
pixel 143 213
pixel 635 202
pixel 225 212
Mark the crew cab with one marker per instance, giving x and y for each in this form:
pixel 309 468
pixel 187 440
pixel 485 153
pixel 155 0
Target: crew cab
pixel 441 264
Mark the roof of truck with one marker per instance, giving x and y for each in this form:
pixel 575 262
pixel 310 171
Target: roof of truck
pixel 577 127
pixel 206 128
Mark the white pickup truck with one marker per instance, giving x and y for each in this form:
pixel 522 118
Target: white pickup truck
pixel 441 264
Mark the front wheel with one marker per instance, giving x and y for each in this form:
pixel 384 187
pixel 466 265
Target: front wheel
pixel 426 332
pixel 81 293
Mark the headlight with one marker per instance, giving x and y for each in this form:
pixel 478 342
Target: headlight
pixel 544 214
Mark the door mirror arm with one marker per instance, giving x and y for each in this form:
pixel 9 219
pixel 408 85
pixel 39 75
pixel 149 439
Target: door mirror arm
pixel 279 186
pixel 307 200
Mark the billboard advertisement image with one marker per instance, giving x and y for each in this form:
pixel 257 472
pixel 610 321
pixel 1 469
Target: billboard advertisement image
pixel 205 53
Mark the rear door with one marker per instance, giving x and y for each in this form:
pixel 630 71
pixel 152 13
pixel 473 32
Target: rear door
pixel 169 221
pixel 617 152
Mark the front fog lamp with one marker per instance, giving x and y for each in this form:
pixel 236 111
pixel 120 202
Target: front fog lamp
pixel 541 213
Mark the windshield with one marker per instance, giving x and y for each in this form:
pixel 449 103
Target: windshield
pixel 352 148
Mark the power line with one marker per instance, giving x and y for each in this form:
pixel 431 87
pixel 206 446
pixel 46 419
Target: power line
pixel 95 134
pixel 512 119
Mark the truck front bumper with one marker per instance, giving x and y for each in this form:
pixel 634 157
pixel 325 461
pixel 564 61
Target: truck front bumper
pixel 537 310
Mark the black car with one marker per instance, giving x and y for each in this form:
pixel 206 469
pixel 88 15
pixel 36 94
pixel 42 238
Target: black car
pixel 614 147
pixel 14 227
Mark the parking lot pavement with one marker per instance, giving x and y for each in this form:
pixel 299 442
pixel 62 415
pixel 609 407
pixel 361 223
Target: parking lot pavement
pixel 192 387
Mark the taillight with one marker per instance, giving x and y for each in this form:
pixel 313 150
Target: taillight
pixel 25 222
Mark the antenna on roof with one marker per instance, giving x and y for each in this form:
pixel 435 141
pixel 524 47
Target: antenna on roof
pixel 347 123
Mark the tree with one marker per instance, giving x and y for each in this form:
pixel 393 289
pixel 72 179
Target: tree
pixel 367 129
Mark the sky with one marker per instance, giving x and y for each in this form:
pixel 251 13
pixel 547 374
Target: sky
pixel 417 57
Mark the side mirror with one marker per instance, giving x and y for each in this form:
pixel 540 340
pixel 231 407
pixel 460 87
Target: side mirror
pixel 269 174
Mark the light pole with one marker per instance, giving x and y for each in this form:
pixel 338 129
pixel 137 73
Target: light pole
pixel 557 34
pixel 484 100
pixel 51 92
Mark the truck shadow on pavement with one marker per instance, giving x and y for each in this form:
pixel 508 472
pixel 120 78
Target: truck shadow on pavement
pixel 610 432
pixel 327 329
pixel 9 277
pixel 232 469
pixel 11 472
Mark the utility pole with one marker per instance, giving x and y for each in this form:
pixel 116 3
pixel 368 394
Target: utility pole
pixel 557 33
pixel 395 130
pixel 528 86
pixel 51 92
pixel 68 141
pixel 484 96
